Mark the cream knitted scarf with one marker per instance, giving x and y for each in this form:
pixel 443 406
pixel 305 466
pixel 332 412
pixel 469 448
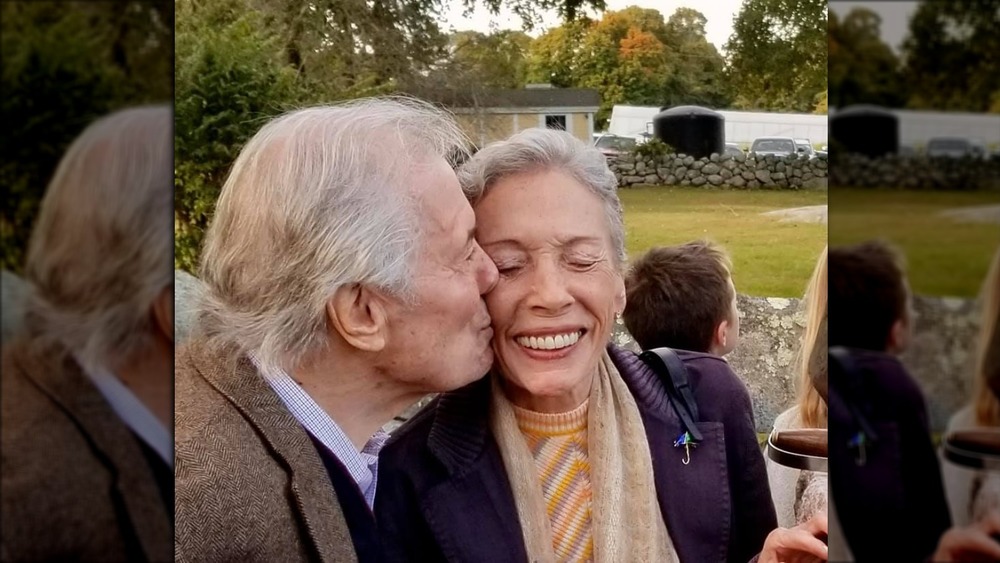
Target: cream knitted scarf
pixel 626 521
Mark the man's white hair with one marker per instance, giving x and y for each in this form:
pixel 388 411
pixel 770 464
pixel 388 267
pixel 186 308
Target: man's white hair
pixel 102 247
pixel 319 198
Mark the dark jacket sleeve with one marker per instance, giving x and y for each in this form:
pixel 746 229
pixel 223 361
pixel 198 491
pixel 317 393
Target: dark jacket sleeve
pixel 723 397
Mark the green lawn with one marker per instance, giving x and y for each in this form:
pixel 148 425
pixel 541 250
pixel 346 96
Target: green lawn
pixel 770 258
pixel 944 257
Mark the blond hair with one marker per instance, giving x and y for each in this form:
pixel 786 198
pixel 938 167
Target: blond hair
pixel 812 408
pixel 986 404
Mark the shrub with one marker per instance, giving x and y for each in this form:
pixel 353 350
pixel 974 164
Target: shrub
pixel 230 81
pixel 653 148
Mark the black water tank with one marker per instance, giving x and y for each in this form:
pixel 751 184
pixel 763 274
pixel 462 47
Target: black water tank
pixel 692 130
pixel 865 129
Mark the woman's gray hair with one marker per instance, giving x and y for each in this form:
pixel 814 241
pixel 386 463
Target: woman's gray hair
pixel 319 198
pixel 101 251
pixel 539 149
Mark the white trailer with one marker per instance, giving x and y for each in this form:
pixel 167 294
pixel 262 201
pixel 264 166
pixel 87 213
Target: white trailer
pixel 917 127
pixel 741 127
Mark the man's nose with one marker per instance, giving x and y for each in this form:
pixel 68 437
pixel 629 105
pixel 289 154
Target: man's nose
pixel 488 274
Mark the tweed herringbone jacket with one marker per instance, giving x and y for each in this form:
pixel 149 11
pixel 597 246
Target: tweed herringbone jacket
pixel 75 483
pixel 249 483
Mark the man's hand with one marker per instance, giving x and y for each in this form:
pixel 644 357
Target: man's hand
pixel 801 544
pixel 977 542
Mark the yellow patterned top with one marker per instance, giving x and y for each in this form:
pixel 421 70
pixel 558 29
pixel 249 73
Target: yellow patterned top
pixel 558 443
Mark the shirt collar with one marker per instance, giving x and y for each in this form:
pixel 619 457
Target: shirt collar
pixel 133 412
pixel 361 465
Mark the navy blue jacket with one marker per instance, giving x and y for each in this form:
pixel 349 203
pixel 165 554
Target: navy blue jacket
pixel 443 493
pixel 893 507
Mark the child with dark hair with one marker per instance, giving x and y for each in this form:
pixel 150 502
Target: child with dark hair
pixel 884 475
pixel 683 297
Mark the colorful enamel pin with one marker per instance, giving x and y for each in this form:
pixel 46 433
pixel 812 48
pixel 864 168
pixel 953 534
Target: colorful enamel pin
pixel 687 441
pixel 858 441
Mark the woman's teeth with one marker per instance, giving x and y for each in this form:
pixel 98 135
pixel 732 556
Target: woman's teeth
pixel 549 342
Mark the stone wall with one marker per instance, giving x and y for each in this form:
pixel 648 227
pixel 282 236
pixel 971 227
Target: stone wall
pixel 729 171
pixel 940 357
pixel 915 172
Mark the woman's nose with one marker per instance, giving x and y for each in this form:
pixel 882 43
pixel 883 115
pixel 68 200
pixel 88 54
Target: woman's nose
pixel 549 288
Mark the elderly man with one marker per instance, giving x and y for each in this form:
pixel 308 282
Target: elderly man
pixel 343 283
pixel 87 384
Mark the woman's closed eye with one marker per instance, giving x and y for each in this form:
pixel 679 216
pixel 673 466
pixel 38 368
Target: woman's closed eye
pixel 582 263
pixel 508 268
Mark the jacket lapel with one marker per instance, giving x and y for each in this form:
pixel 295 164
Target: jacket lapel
pixel 314 496
pixel 62 379
pixel 694 498
pixel 472 512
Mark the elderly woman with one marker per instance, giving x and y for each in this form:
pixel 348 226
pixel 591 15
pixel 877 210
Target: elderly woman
pixel 799 494
pixel 566 451
pixel 87 387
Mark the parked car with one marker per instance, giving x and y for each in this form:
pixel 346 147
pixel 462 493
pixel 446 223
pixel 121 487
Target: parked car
pixel 777 146
pixel 614 145
pixel 804 148
pixel 733 149
pixel 979 148
pixel 954 147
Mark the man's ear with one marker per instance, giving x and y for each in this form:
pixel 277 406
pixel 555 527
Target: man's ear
pixel 163 312
pixel 358 315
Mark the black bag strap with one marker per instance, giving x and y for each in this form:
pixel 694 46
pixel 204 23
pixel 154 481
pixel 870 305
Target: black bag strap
pixel 666 363
pixel 852 389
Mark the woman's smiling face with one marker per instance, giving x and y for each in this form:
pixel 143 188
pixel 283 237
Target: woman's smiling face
pixel 554 305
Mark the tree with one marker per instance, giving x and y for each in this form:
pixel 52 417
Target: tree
pixel 951 60
pixel 529 10
pixel 697 74
pixel 554 56
pixel 862 68
pixel 497 60
pixel 232 76
pixel 821 106
pixel 777 54
pixel 633 56
pixel 66 64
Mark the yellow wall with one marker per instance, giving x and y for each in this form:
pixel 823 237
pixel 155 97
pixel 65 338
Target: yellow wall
pixel 580 128
pixel 486 128
pixel 483 129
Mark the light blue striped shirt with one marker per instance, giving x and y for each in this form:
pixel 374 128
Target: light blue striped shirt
pixel 133 412
pixel 363 465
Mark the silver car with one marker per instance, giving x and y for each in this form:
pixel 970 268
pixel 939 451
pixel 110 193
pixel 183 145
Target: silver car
pixel 777 146
pixel 804 148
